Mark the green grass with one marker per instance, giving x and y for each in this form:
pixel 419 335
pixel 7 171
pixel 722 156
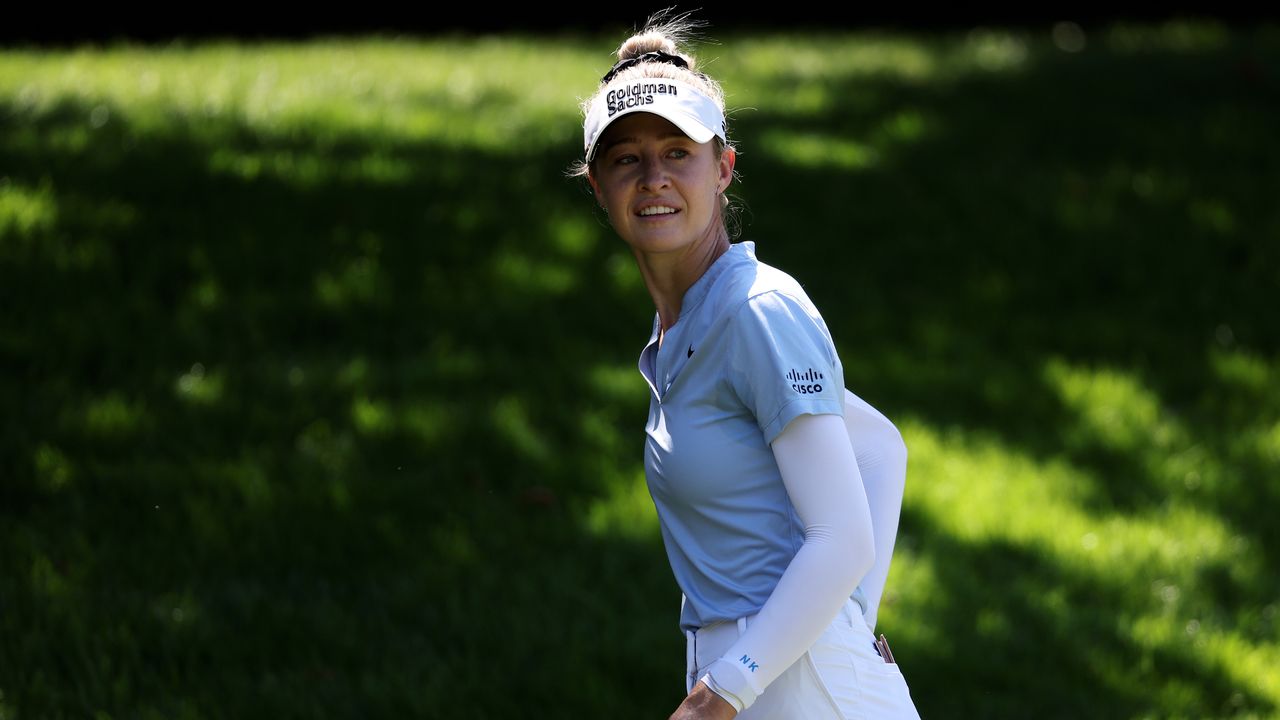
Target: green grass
pixel 321 396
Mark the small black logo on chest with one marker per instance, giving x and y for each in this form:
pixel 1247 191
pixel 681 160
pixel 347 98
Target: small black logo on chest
pixel 690 352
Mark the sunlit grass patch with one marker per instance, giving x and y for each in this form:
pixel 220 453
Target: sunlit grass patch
pixel 1113 408
pixel 626 510
pixel 512 422
pixel 826 58
pixel 382 88
pixel 199 386
pixel 25 211
pixel 974 489
pixel 113 415
pixel 517 272
pixel 816 150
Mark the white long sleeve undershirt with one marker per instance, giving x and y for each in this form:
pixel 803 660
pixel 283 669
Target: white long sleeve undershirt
pixel 882 462
pixel 820 472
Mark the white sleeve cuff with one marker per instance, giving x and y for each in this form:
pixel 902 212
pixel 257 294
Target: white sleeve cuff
pixel 732 681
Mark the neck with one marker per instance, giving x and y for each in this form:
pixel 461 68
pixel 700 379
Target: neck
pixel 669 275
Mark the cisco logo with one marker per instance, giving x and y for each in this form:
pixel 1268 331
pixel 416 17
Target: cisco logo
pixel 805 383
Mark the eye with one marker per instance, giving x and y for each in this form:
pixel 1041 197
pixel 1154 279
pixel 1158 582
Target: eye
pixel 680 152
pixel 624 160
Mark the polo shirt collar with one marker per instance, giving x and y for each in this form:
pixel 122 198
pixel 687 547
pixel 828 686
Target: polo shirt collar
pixel 697 292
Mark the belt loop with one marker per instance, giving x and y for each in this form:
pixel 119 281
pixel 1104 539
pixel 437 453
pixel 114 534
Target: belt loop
pixel 742 626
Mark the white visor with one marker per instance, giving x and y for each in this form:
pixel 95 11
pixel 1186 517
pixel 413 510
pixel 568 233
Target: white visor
pixel 686 107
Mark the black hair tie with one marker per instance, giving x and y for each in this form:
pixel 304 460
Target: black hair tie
pixel 654 56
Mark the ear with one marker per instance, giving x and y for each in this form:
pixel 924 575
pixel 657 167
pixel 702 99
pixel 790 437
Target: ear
pixel 728 159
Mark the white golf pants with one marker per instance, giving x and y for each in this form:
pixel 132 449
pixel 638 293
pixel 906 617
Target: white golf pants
pixel 842 677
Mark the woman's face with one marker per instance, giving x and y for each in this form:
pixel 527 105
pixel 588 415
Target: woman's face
pixel 661 189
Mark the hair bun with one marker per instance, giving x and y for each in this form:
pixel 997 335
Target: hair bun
pixel 664 32
pixel 637 45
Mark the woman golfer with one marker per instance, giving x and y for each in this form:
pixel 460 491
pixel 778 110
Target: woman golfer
pixel 764 511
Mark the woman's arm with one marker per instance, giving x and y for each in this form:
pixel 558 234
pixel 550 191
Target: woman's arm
pixel 882 462
pixel 821 475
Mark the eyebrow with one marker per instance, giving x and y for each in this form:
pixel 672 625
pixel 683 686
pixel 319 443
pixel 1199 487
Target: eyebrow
pixel 621 140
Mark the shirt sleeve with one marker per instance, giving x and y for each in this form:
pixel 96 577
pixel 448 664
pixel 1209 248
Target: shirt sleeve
pixel 882 462
pixel 783 362
pixel 822 480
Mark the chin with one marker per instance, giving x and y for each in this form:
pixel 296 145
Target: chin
pixel 658 243
pixel 673 240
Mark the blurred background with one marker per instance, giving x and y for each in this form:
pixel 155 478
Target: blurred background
pixel 319 373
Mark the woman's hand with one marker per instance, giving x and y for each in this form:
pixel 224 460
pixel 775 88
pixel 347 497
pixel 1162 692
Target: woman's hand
pixel 702 704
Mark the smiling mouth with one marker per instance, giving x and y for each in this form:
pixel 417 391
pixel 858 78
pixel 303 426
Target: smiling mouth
pixel 657 211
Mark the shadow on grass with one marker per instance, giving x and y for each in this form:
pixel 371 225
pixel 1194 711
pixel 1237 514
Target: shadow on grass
pixel 1017 629
pixel 289 430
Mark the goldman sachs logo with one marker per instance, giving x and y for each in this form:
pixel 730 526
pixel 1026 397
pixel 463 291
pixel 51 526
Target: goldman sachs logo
pixel 635 95
pixel 805 383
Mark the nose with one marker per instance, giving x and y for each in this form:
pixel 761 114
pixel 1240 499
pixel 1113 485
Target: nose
pixel 653 175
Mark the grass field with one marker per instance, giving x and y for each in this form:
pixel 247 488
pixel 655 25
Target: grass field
pixel 321 401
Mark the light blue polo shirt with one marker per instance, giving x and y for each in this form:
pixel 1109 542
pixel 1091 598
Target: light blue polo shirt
pixel 747 355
